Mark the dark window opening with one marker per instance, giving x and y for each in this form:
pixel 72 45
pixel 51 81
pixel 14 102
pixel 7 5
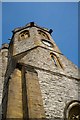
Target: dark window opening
pixel 19 66
pixel 74 113
pixel 24 35
pixel 43 34
pixel 72 110
pixel 56 60
pixel 52 56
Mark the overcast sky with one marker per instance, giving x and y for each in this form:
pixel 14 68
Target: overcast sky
pixel 61 17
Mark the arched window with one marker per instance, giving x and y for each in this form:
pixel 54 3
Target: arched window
pixel 43 34
pixel 72 111
pixel 56 60
pixel 24 35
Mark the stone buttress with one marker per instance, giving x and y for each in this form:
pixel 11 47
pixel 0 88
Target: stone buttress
pixel 3 66
pixel 40 82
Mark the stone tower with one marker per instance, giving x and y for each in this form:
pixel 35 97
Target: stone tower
pixel 3 66
pixel 40 82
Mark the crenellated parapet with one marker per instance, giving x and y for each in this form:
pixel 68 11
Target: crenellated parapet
pixel 40 82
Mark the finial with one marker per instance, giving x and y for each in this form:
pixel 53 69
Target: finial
pixel 50 31
pixel 31 24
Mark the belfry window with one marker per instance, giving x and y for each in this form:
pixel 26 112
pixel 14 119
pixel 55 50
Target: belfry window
pixel 43 34
pixel 55 60
pixel 24 35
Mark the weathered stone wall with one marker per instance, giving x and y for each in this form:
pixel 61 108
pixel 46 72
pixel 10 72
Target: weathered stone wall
pixel 14 105
pixel 57 91
pixel 34 96
pixel 31 42
pixel 0 76
pixel 40 57
pixel 3 66
pixel 0 83
pixel 58 85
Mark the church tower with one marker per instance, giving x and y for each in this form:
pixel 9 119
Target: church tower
pixel 40 82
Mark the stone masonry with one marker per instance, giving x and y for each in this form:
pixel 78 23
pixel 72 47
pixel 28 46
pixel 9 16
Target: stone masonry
pixel 37 80
pixel 3 66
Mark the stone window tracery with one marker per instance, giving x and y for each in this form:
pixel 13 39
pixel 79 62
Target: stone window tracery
pixel 55 60
pixel 43 34
pixel 72 111
pixel 24 35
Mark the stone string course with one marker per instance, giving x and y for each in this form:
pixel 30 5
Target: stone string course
pixel 58 85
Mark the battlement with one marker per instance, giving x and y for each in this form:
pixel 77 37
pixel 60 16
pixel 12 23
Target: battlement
pixel 5 46
pixel 32 24
pixel 39 81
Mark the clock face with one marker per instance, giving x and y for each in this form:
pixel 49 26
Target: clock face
pixel 47 43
